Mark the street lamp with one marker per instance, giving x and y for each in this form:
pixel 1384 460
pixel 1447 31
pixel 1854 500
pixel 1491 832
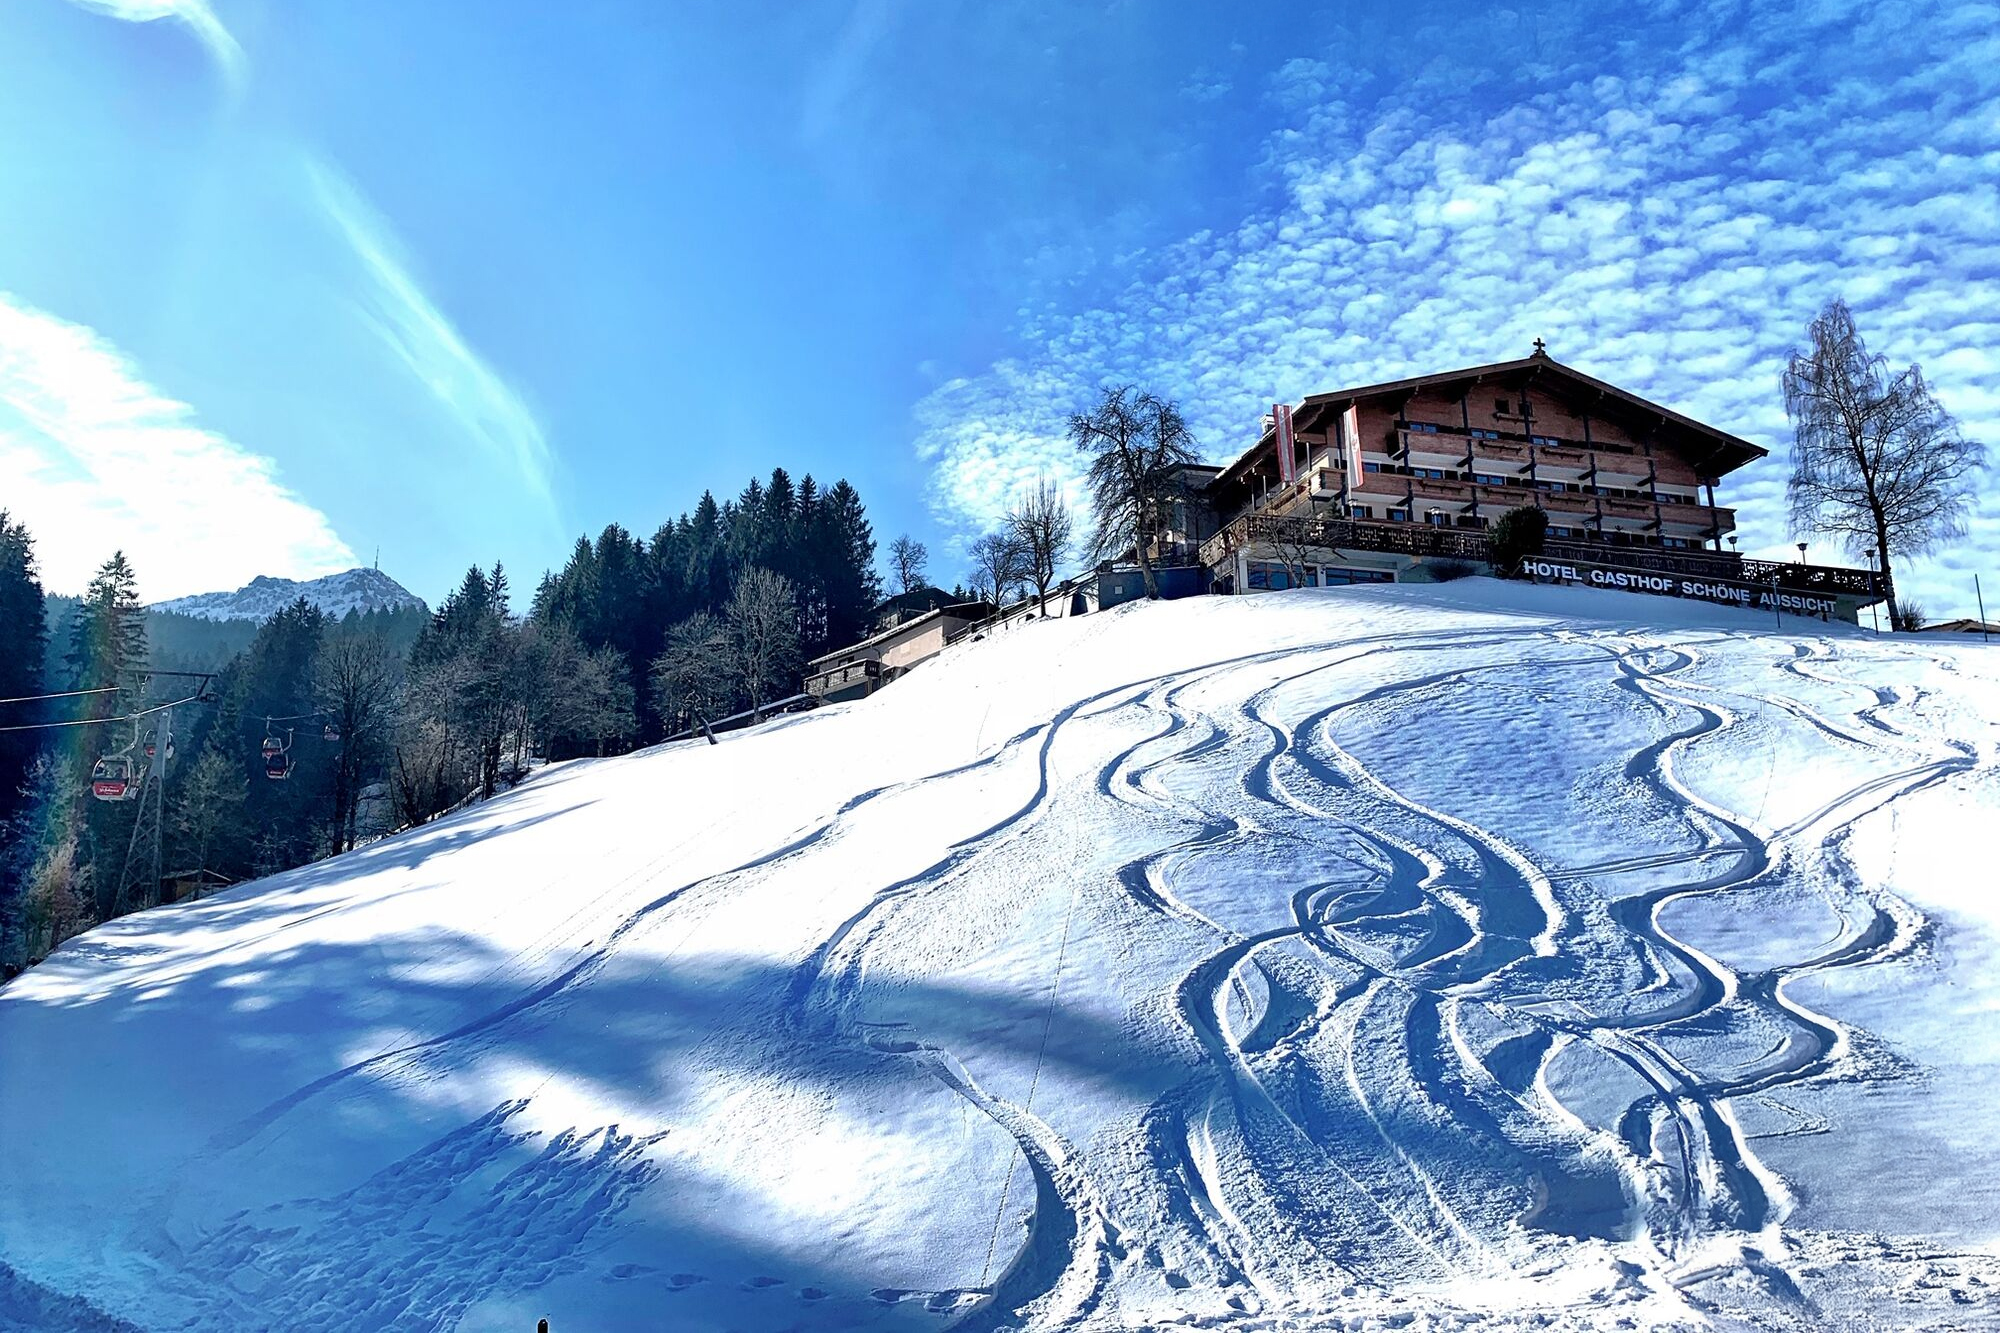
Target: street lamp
pixel 1874 617
pixel 1802 553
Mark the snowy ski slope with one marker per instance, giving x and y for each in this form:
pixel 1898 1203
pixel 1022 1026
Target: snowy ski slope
pixel 1474 956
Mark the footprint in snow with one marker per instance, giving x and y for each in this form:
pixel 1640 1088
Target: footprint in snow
pixel 626 1272
pixel 763 1283
pixel 682 1281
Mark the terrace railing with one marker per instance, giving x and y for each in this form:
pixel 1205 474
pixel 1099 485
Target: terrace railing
pixel 1424 540
pixel 1815 578
pixel 1306 530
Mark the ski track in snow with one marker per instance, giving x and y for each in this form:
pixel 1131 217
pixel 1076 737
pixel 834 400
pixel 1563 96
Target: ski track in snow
pixel 1372 1056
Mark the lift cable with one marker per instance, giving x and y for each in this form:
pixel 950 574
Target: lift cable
pixel 66 694
pixel 101 721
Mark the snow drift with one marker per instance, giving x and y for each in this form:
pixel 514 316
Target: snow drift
pixel 1368 957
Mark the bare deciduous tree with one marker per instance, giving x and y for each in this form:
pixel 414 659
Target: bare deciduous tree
pixel 764 629
pixel 1300 535
pixel 1040 526
pixel 1138 446
pixel 355 687
pixel 907 562
pixel 1876 459
pixel 996 565
pixel 695 674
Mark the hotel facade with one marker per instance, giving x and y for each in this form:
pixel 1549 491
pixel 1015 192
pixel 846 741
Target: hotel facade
pixel 1399 481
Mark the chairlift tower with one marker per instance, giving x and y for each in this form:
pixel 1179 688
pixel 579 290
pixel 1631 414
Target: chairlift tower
pixel 139 885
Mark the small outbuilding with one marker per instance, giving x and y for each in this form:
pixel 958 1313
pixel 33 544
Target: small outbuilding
pixel 860 669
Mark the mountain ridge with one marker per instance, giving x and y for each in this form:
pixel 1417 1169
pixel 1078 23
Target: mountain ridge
pixel 360 589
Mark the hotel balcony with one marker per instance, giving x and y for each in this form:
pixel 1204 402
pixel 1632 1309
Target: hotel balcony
pixel 1453 439
pixel 1576 459
pixel 1569 508
pixel 1318 484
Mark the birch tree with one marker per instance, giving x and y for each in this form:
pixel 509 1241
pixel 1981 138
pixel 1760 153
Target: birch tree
pixel 907 561
pixel 1041 527
pixel 764 628
pixel 1876 460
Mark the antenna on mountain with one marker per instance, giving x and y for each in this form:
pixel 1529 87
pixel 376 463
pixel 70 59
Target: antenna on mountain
pixel 378 559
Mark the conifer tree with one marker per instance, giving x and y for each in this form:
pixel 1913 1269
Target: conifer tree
pixel 23 639
pixel 853 588
pixel 108 636
pixel 206 817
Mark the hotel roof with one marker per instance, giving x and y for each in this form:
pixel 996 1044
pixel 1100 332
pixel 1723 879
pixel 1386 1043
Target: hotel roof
pixel 1724 452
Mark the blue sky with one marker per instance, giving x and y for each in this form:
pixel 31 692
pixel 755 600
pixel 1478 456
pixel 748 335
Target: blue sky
pixel 284 282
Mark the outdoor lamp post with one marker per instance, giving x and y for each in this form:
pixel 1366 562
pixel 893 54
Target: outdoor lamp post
pixel 1802 553
pixel 1874 616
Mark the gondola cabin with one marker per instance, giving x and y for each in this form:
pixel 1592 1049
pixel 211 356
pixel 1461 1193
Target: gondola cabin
pixel 278 766
pixel 113 778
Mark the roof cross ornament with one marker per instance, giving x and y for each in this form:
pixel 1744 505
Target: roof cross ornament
pixel 1540 350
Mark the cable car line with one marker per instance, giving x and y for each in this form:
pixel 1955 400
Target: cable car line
pixel 66 694
pixel 100 721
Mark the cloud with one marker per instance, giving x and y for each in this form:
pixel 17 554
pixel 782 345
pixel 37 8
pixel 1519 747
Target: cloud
pixel 97 460
pixel 831 86
pixel 1649 208
pixel 196 15
pixel 485 408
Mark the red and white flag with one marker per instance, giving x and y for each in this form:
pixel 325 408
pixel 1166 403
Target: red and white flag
pixel 1281 422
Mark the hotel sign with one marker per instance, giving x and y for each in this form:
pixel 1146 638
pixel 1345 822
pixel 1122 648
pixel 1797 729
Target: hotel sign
pixel 1753 596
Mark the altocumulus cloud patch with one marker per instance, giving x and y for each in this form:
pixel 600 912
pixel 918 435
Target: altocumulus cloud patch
pixel 1666 204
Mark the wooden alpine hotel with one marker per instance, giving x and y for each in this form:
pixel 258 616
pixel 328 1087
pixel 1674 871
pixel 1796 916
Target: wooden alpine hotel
pixel 1394 481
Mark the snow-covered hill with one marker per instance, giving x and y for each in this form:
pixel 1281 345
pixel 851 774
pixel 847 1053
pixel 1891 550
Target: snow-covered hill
pixel 261 598
pixel 1475 956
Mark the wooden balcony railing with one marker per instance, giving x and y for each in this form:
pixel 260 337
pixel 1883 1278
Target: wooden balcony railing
pixel 1334 534
pixel 1563 456
pixel 1457 435
pixel 1426 540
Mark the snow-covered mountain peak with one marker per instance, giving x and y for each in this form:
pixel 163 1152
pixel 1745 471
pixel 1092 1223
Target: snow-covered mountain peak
pixel 264 596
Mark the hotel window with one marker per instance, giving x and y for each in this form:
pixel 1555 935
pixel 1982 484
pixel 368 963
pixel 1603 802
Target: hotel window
pixel 1545 439
pixel 1490 479
pixel 1501 407
pixel 1270 577
pixel 1399 516
pixel 1478 434
pixel 1436 518
pixel 1362 511
pixel 1561 532
pixel 1676 543
pixel 1371 467
pixel 1422 427
pixel 1341 578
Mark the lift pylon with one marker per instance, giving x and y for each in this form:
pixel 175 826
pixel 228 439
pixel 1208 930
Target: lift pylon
pixel 139 884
